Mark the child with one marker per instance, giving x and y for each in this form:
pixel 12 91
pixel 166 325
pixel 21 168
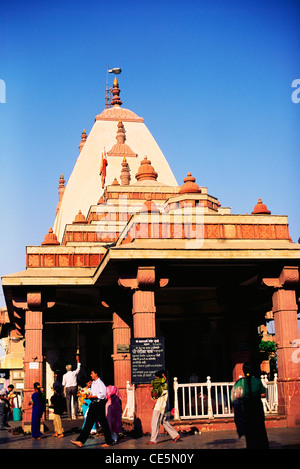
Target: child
pixel 84 394
pixel 58 404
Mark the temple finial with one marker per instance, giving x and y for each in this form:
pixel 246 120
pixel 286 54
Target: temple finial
pixel 260 208
pixel 125 173
pixel 83 140
pixel 61 190
pixel 146 171
pixel 116 101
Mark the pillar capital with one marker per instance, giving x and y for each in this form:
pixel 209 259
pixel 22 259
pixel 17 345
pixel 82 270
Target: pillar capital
pixel 145 279
pixel 288 278
pixel 32 301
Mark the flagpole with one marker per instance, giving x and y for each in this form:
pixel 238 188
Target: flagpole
pixel 116 71
pixel 106 92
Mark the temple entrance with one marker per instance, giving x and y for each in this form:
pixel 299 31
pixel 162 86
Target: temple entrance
pixel 96 348
pixel 196 349
pixel 93 340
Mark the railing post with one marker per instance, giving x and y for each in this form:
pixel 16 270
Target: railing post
pixel 190 411
pixel 129 408
pixel 176 409
pixel 264 380
pixel 265 403
pixel 209 404
pixel 132 400
pixel 275 393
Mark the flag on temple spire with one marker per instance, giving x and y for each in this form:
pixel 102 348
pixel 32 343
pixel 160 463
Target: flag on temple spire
pixel 116 71
pixel 103 168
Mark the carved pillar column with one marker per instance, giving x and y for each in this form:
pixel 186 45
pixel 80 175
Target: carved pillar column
pixel 143 300
pixel 33 357
pixel 121 355
pixel 143 309
pixel 143 303
pixel 286 337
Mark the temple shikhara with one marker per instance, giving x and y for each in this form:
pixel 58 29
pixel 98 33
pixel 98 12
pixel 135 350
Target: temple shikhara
pixel 134 254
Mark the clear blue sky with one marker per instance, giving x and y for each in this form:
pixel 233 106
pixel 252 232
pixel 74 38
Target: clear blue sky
pixel 212 80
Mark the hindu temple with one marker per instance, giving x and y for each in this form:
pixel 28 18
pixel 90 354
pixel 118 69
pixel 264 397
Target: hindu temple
pixel 131 254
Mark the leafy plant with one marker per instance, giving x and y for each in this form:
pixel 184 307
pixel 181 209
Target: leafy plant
pixel 267 346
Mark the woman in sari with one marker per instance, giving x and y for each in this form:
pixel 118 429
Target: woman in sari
pixel 249 414
pixel 113 410
pixel 38 407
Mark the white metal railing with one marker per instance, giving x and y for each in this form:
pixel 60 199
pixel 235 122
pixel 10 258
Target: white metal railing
pixel 211 400
pixel 270 402
pixel 130 407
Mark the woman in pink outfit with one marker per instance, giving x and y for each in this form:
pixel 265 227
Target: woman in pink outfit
pixel 113 410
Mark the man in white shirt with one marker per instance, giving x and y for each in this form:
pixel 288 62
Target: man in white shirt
pixel 96 412
pixel 70 385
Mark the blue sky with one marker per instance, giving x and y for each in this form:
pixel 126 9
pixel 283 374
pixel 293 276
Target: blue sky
pixel 212 80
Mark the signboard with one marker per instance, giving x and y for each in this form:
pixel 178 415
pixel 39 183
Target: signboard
pixel 147 357
pixel 33 365
pixel 123 348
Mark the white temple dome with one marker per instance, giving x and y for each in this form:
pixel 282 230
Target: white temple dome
pixel 84 187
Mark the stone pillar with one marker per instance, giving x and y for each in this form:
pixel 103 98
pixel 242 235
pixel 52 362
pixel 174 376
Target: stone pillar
pixel 239 357
pixel 286 338
pixel 121 354
pixel 143 309
pixel 33 357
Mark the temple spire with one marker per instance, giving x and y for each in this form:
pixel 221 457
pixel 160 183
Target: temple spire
pixel 61 190
pixel 121 148
pixel 116 101
pixel 125 173
pixel 83 140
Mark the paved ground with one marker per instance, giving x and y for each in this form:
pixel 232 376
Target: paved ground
pixel 129 449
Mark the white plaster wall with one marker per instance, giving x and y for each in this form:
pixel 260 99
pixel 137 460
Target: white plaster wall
pixel 84 186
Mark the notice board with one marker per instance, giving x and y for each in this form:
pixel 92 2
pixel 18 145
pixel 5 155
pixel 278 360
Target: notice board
pixel 147 357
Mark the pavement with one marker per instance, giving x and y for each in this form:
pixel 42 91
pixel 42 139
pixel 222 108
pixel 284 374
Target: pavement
pixel 135 451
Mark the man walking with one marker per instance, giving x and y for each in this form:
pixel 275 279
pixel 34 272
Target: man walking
pixel 70 385
pixel 159 416
pixel 4 409
pixel 96 413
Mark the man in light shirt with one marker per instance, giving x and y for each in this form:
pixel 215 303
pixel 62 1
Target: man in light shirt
pixel 96 412
pixel 70 385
